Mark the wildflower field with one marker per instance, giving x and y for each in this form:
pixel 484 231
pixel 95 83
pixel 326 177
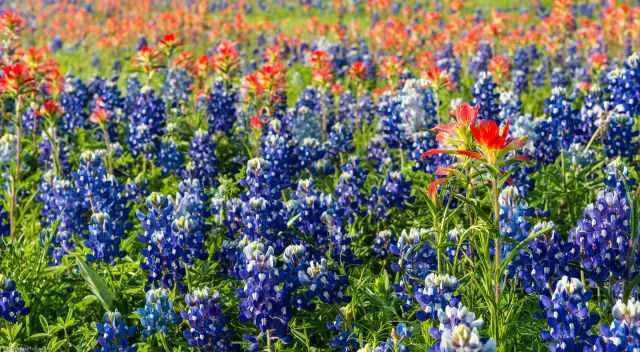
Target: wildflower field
pixel 315 175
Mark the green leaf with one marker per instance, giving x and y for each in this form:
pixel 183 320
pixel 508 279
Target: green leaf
pixel 97 286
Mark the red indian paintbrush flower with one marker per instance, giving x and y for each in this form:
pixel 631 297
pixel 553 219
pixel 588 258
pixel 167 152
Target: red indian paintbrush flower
pixel 50 108
pixel 11 22
pixel 168 44
pixel 99 116
pixel 438 78
pixel 17 79
pixel 493 141
pixel 456 134
pixel 358 70
pixel 226 60
pixel 148 59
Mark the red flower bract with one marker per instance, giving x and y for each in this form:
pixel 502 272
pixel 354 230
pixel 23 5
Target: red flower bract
pixel 488 135
pixel 17 79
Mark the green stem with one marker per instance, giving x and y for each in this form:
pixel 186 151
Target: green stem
pixel 269 347
pixel 496 214
pixel 107 142
pixel 16 176
pixel 163 342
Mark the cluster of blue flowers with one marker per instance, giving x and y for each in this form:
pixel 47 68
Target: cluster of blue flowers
pixel 173 234
pixel 114 334
pixel 157 315
pixel 486 97
pixel 459 331
pixel 12 306
pixel 437 293
pixel 147 122
pixel 207 324
pixel 568 316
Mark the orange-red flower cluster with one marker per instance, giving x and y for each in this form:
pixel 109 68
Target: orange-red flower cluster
pixel 468 137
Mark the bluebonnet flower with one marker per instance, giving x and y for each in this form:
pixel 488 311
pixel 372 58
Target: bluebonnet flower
pixel 624 332
pixel 348 193
pixel 545 260
pixel 417 106
pixel 547 141
pixel 104 238
pixel 378 154
pixel 592 110
pixel 416 257
pixel 307 115
pixel 260 213
pixel 30 121
pixel 323 283
pixel 189 216
pixel 147 117
pixel 423 141
pixel 347 109
pixel 438 292
pixel 395 192
pixel 142 43
pixel 459 331
pixel 558 78
pixel 46 155
pixel 459 246
pixel 513 214
pixel 106 95
pixel 309 151
pixel 578 155
pixel 486 97
pixel 524 126
pixel 7 149
pixel 12 306
pixel 539 75
pixel 63 204
pixel 510 106
pixel 601 238
pixel 519 81
pixel 391 123
pixel 480 61
pixel 568 317
pixel 365 111
pixel 278 149
pixel 395 342
pixel 162 252
pixel 522 59
pixel 103 195
pixel 340 140
pixel 157 315
pixel 169 157
pixel 114 334
pixel 74 99
pixel 260 300
pixel 620 138
pixel 221 108
pixel 623 91
pixel 307 208
pixel 207 324
pixel 381 243
pixel 134 87
pixel 176 88
pixel 340 242
pixel 56 44
pixel 561 128
pixel 204 165
pixel 344 340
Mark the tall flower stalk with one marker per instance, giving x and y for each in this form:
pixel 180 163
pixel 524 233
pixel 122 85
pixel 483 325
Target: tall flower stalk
pixel 483 149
